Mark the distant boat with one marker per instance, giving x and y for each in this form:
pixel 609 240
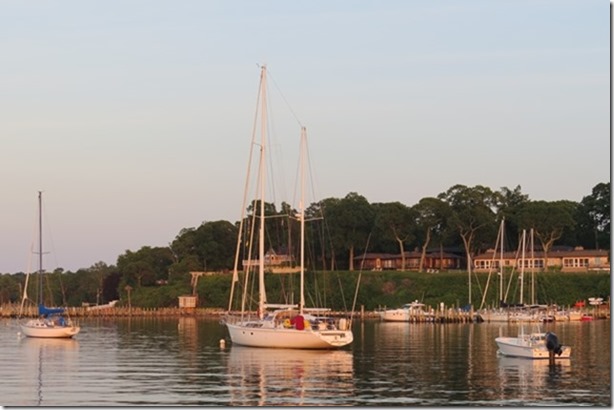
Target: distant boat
pixel 280 325
pixel 534 345
pixel 496 315
pixel 52 322
pixel 414 311
pixel 595 301
pixel 109 305
pixel 575 315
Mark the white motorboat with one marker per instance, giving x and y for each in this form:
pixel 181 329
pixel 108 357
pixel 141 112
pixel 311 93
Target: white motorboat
pixel 534 345
pixel 409 312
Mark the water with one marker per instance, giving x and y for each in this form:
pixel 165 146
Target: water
pixel 179 361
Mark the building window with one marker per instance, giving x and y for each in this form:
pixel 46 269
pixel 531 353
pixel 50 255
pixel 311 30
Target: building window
pixel 575 262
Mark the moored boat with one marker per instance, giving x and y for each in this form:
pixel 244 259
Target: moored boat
pixel 52 322
pixel 534 345
pixel 409 312
pixel 290 325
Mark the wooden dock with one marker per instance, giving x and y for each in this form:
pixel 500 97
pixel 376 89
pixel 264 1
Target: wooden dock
pixel 435 316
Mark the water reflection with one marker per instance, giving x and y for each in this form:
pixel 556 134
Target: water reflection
pixel 53 358
pixel 288 377
pixel 179 362
pixel 187 330
pixel 533 380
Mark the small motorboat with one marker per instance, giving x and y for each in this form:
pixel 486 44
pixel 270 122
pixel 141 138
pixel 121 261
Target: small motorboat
pixel 534 345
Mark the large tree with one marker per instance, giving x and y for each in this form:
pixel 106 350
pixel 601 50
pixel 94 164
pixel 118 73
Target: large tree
pixel 211 246
pixel 548 220
pixel 395 221
pixel 431 216
pixel 145 266
pixel 351 222
pixel 471 211
pixel 593 217
pixel 508 204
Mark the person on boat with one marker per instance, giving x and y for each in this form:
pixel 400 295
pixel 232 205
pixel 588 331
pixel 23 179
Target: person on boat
pixel 299 322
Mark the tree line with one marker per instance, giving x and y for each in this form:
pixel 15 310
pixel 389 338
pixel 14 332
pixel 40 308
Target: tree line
pixel 339 231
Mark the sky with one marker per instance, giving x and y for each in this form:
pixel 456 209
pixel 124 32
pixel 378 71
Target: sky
pixel 135 117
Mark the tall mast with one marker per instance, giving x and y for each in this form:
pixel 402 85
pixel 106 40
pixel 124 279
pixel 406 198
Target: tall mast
pixel 532 267
pixel 40 247
pixel 524 234
pixel 263 129
pixel 501 263
pixel 302 215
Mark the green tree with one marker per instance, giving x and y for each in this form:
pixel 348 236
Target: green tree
pixel 395 221
pixel 594 217
pixel 431 220
pixel 508 203
pixel 471 212
pixel 351 221
pixel 548 220
pixel 146 266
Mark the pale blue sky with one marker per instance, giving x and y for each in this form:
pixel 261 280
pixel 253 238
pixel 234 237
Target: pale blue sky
pixel 134 117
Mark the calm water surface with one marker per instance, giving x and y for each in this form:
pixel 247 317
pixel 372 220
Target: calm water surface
pixel 153 361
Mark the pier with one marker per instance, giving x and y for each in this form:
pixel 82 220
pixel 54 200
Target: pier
pixel 450 315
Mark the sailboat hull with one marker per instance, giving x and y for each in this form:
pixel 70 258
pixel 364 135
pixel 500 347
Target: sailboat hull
pixel 277 337
pixel 46 329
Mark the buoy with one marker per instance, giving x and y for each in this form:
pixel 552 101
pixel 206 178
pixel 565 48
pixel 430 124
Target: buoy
pixel 222 343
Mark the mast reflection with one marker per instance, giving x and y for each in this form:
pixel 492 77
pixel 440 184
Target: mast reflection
pixel 290 377
pixel 53 355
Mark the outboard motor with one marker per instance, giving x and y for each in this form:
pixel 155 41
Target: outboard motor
pixel 552 343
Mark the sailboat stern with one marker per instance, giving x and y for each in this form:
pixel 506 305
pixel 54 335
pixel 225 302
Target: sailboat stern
pixel 337 338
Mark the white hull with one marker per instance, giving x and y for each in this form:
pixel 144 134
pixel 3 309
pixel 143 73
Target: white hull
pixel 279 337
pixel 410 312
pixel 46 329
pixel 401 315
pixel 525 348
pixel 496 316
pixel 395 315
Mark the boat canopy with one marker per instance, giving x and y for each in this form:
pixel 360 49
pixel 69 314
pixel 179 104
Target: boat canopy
pixel 44 311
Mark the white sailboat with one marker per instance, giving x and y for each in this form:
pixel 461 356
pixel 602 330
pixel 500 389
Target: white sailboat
pixel 51 323
pixel 281 325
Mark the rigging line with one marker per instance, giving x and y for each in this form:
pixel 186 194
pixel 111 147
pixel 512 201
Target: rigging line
pixel 512 275
pixel 312 183
pixel 490 269
pixel 362 263
pixel 243 212
pixel 321 295
pixel 50 236
pixel 284 99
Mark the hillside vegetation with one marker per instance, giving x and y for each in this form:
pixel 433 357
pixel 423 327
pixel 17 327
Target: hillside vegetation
pixel 378 289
